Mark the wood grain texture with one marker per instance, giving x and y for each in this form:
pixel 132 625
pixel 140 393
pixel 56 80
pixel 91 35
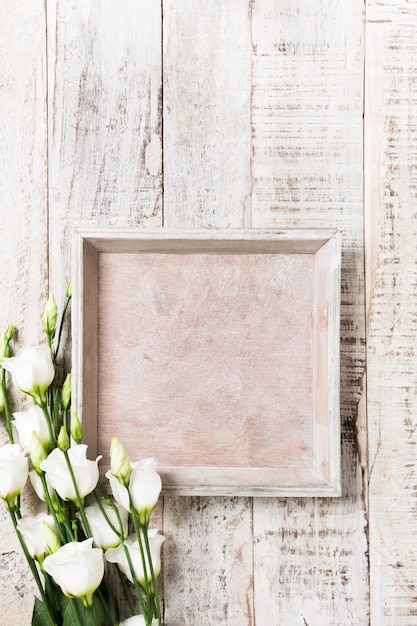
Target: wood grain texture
pixel 23 235
pixel 207 143
pixel 307 110
pixel 258 106
pixel 104 99
pixel 207 134
pixel 390 175
pixel 215 587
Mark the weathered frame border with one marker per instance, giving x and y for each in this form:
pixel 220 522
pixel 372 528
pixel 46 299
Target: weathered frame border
pixel 323 477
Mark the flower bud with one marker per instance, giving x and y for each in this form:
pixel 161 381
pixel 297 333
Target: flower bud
pixel 4 342
pixel 68 292
pixel 63 439
pixel 76 428
pixel 66 392
pixel 37 452
pixel 50 316
pixel 120 465
pixel 52 542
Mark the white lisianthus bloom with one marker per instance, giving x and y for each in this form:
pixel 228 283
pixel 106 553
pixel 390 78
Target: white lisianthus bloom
pixel 137 620
pixel 58 475
pixel 120 493
pixel 103 535
pixel 40 535
pixel 28 421
pixel 32 372
pixel 77 568
pixel 144 487
pixel 117 555
pixel 14 470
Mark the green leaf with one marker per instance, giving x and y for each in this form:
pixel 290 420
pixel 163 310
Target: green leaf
pixel 40 616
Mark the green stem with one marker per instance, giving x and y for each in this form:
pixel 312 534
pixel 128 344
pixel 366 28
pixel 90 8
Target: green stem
pixel 126 591
pixel 80 501
pixel 142 552
pixel 58 522
pixel 120 532
pixel 142 605
pixel 32 565
pixel 153 577
pixel 49 423
pixel 6 406
pixel 75 612
pixel 61 326
pixel 91 616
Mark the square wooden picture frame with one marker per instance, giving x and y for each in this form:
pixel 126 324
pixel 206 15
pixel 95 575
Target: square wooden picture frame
pixel 214 351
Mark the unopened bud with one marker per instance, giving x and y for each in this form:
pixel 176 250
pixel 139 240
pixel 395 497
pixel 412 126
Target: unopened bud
pixel 52 543
pixel 37 451
pixel 4 342
pixel 66 392
pixel 76 428
pixel 119 462
pixel 63 439
pixel 68 292
pixel 50 316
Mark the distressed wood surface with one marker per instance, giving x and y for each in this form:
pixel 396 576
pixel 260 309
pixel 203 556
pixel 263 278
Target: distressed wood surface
pixel 207 93
pixel 307 171
pixel 104 103
pixel 390 175
pixel 23 236
pixel 207 154
pixel 258 107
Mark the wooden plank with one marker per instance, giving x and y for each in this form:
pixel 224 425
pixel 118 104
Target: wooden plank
pixel 207 82
pixel 207 79
pixel 105 163
pixel 23 235
pixel 391 182
pixel 208 561
pixel 307 172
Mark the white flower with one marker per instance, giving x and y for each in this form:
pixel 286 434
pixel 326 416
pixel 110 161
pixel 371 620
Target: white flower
pixel 117 555
pixel 144 487
pixel 77 568
pixel 14 471
pixel 28 421
pixel 37 485
pixel 40 534
pixel 137 620
pixel 58 475
pixel 32 372
pixel 103 535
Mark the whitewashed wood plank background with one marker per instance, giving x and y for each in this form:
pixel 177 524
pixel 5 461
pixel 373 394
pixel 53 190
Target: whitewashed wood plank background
pixel 236 114
pixel 391 209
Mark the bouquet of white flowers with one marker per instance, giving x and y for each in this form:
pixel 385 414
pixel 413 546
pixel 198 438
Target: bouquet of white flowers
pixel 85 529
